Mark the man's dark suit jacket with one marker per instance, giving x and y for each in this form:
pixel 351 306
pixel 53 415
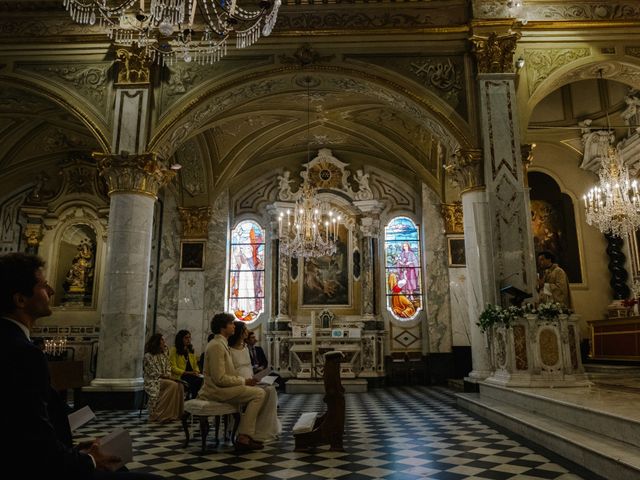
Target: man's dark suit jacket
pixel 261 358
pixel 32 444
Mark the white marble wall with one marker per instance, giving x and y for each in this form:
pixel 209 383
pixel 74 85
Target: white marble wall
pixel 123 317
pixel 459 307
pixel 438 306
pixel 481 284
pixel 169 271
pixel 215 273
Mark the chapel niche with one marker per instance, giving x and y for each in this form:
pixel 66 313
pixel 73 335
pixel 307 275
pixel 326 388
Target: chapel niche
pixel 76 266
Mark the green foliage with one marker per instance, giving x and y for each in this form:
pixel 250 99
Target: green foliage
pixel 496 315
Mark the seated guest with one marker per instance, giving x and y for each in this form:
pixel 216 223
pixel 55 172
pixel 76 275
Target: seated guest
pixel 166 395
pixel 183 362
pixel 268 425
pixel 221 384
pixel 201 359
pixel 36 446
pixel 258 358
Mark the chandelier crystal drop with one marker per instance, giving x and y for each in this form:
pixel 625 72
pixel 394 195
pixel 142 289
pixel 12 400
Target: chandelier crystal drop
pixel 311 229
pixel 166 29
pixel 613 206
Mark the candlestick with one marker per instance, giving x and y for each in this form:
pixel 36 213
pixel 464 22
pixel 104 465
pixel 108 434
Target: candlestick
pixel 313 343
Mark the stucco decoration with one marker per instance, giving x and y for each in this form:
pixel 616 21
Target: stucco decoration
pixel 192 175
pixel 559 10
pixel 542 62
pixel 617 71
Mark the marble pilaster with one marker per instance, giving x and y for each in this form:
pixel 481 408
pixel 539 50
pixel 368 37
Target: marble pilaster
pixel 215 272
pixel 370 229
pixel 437 301
pixel 461 336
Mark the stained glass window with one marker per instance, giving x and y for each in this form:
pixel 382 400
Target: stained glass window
pixel 246 271
pixel 402 268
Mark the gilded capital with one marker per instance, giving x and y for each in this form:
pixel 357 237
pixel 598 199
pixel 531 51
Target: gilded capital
pixel 494 53
pixel 33 235
pixel 142 173
pixel 195 221
pixel 465 168
pixel 133 66
pixel 453 219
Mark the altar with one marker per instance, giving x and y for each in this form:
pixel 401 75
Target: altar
pixel 298 353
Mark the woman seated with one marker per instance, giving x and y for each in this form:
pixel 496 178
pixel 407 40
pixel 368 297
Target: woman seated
pixel 184 365
pixel 401 305
pixel 268 425
pixel 166 395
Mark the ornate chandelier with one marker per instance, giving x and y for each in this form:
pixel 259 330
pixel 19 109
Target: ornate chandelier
pixel 613 206
pixel 311 230
pixel 165 28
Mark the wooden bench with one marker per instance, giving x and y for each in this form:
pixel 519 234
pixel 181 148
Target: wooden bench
pixel 202 410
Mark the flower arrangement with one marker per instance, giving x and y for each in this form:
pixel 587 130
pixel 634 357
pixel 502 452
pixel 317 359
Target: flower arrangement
pixel 546 311
pixel 497 315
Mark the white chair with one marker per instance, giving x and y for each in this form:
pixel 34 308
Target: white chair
pixel 202 410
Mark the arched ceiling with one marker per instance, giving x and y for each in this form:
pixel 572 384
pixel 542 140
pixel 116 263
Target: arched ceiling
pixel 34 130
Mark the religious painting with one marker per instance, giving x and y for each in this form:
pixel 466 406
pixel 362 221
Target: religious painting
pixel 402 268
pixel 192 255
pixel 325 280
pixel 553 224
pixel 246 271
pixel 457 255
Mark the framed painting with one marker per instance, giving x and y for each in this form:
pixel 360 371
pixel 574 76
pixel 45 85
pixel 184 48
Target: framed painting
pixel 192 255
pixel 457 256
pixel 325 280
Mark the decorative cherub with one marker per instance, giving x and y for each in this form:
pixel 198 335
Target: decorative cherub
pixel 285 192
pixel 364 190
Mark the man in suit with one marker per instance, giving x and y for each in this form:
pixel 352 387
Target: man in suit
pixel 258 358
pixel 221 384
pixel 34 444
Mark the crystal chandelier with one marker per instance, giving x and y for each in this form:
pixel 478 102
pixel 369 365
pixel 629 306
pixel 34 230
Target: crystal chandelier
pixel 165 28
pixel 613 205
pixel 311 230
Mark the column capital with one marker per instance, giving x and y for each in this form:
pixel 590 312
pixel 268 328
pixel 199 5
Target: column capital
pixel 195 221
pixel 33 235
pixel 465 168
pixel 494 52
pixel 453 218
pixel 526 152
pixel 133 66
pixel 140 173
pixel 370 226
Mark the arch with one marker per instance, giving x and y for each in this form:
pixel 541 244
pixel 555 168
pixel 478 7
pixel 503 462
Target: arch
pixel 68 103
pixel 624 70
pixel 189 116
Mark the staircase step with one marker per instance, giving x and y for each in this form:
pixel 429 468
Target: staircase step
pixel 605 456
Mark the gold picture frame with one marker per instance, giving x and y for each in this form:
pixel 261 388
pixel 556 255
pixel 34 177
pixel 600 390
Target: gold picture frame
pixel 192 254
pixel 456 249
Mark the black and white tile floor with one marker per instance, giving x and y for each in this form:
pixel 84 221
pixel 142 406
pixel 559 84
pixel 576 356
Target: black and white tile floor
pixel 392 433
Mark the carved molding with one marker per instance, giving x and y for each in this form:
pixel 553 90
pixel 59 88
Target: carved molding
pixel 542 62
pixel 494 53
pixel 33 234
pixel 453 217
pixel 559 10
pixel 614 70
pixel 133 66
pixel 195 221
pixel 143 173
pixel 192 175
pixel 465 168
pixel 305 55
pixel 632 51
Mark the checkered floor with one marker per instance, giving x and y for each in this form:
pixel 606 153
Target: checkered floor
pixel 392 433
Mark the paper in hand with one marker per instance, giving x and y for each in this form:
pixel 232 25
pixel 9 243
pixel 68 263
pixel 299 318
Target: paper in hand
pixel 118 443
pixel 80 418
pixel 268 380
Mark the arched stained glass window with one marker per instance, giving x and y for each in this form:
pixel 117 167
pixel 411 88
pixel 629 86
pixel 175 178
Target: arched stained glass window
pixel 246 271
pixel 402 268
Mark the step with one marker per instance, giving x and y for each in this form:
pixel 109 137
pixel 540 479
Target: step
pixel 605 456
pixel 599 368
pixel 317 386
pixel 606 413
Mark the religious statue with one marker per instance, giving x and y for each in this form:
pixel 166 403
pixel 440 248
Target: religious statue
pixel 79 279
pixel 596 146
pixel 364 190
pixel 285 186
pixel 38 189
pixel 631 114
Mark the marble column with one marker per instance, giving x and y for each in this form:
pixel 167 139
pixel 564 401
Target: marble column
pixel 370 229
pixel 133 183
pixel 284 266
